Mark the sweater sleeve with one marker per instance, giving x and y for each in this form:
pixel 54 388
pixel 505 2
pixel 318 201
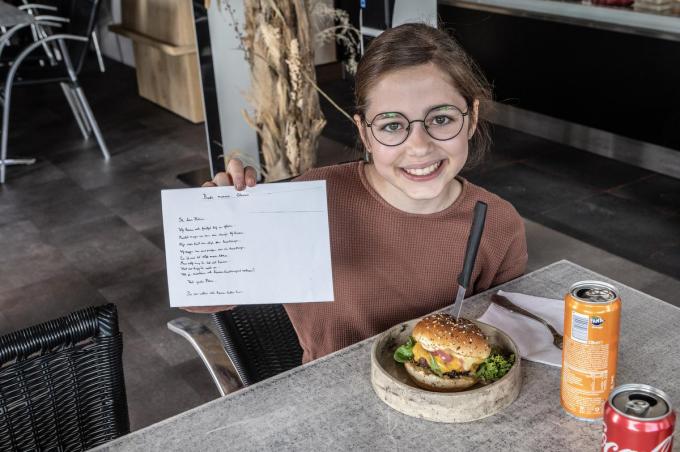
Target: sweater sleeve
pixel 514 263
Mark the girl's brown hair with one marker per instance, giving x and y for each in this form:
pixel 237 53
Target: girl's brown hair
pixel 416 44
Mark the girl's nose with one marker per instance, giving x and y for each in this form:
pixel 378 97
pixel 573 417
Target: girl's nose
pixel 419 141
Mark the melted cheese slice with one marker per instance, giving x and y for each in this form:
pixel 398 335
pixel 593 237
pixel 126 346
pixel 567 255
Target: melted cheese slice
pixel 457 363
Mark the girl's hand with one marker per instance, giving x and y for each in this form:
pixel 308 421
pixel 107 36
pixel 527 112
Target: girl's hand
pixel 236 175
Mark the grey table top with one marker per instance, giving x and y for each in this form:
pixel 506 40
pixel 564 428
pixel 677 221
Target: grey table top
pixel 329 404
pixel 10 15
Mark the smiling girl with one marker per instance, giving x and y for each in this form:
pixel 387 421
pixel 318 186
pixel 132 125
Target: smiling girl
pixel 399 224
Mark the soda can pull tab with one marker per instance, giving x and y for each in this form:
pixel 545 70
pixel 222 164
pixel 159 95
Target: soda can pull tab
pixel 637 407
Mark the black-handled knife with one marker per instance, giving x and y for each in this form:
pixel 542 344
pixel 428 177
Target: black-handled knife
pixel 474 238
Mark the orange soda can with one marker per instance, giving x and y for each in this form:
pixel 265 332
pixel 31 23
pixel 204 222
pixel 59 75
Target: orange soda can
pixel 592 311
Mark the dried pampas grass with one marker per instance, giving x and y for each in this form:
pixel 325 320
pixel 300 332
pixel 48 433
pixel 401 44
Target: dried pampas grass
pixel 287 115
pixel 336 27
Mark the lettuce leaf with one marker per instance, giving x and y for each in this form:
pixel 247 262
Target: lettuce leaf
pixel 404 352
pixel 434 367
pixel 495 367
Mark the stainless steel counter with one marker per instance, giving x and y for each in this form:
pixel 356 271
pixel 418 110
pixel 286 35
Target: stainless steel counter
pixel 583 13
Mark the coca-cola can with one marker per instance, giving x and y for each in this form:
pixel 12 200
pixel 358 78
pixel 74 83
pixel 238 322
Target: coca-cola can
pixel 638 418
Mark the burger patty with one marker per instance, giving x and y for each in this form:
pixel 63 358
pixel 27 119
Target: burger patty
pixel 422 362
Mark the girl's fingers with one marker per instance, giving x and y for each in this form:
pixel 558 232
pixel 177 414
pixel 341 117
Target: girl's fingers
pixel 251 176
pixel 221 179
pixel 237 173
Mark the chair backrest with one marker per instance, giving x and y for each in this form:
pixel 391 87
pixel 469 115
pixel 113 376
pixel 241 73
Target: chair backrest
pixel 61 383
pixel 259 340
pixel 82 18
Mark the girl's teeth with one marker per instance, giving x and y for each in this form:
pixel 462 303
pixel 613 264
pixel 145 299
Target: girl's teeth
pixel 423 171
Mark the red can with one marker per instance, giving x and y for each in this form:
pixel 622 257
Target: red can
pixel 638 418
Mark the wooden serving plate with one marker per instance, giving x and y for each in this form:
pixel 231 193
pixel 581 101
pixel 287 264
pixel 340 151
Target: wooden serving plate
pixel 394 387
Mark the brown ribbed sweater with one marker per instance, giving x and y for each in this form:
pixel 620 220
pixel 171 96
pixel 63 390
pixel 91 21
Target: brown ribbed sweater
pixel 390 266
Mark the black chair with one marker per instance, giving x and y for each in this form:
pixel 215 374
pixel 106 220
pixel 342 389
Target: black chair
pixel 61 383
pixel 63 38
pixel 255 342
pixel 259 340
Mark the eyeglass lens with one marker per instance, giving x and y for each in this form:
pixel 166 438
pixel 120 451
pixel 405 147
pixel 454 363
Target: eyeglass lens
pixel 441 123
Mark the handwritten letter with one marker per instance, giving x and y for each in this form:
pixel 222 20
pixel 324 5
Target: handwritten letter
pixel 267 244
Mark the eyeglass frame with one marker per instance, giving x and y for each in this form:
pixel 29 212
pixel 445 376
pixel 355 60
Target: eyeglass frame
pixel 408 130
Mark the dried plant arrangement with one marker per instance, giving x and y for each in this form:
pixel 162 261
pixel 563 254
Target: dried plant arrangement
pixel 336 28
pixel 277 44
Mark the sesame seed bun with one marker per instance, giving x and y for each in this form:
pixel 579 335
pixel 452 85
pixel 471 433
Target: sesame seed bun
pixel 432 382
pixel 457 337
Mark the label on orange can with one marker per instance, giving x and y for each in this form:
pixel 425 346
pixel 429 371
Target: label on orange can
pixel 591 336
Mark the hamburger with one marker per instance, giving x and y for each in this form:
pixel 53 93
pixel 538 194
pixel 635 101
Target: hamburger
pixel 444 354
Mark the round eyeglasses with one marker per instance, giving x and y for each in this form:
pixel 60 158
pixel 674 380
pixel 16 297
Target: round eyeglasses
pixel 442 123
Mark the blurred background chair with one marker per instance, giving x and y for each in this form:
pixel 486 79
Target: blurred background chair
pixel 61 383
pixel 255 342
pixel 50 47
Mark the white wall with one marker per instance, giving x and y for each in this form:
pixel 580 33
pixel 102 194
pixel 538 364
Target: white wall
pixel 232 79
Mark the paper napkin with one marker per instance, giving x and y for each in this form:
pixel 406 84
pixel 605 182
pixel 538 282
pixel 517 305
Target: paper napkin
pixel 532 337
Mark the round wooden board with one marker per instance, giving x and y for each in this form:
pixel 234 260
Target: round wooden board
pixel 394 387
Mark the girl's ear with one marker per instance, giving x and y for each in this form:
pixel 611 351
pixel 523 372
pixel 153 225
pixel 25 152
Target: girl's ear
pixel 362 131
pixel 474 116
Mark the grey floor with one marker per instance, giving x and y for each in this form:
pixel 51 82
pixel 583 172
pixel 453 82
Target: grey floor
pixel 77 231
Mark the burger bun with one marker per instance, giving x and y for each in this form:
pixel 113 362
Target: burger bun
pixel 460 337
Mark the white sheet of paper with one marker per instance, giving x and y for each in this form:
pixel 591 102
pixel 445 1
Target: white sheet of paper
pixel 267 244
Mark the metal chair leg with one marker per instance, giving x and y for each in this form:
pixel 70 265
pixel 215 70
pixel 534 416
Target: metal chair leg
pixel 79 107
pixel 4 161
pixel 7 98
pixel 92 121
pixel 82 100
pixel 209 348
pixel 98 51
pixel 75 108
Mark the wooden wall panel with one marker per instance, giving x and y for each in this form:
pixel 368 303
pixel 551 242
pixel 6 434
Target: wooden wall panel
pixel 168 21
pixel 165 54
pixel 170 81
